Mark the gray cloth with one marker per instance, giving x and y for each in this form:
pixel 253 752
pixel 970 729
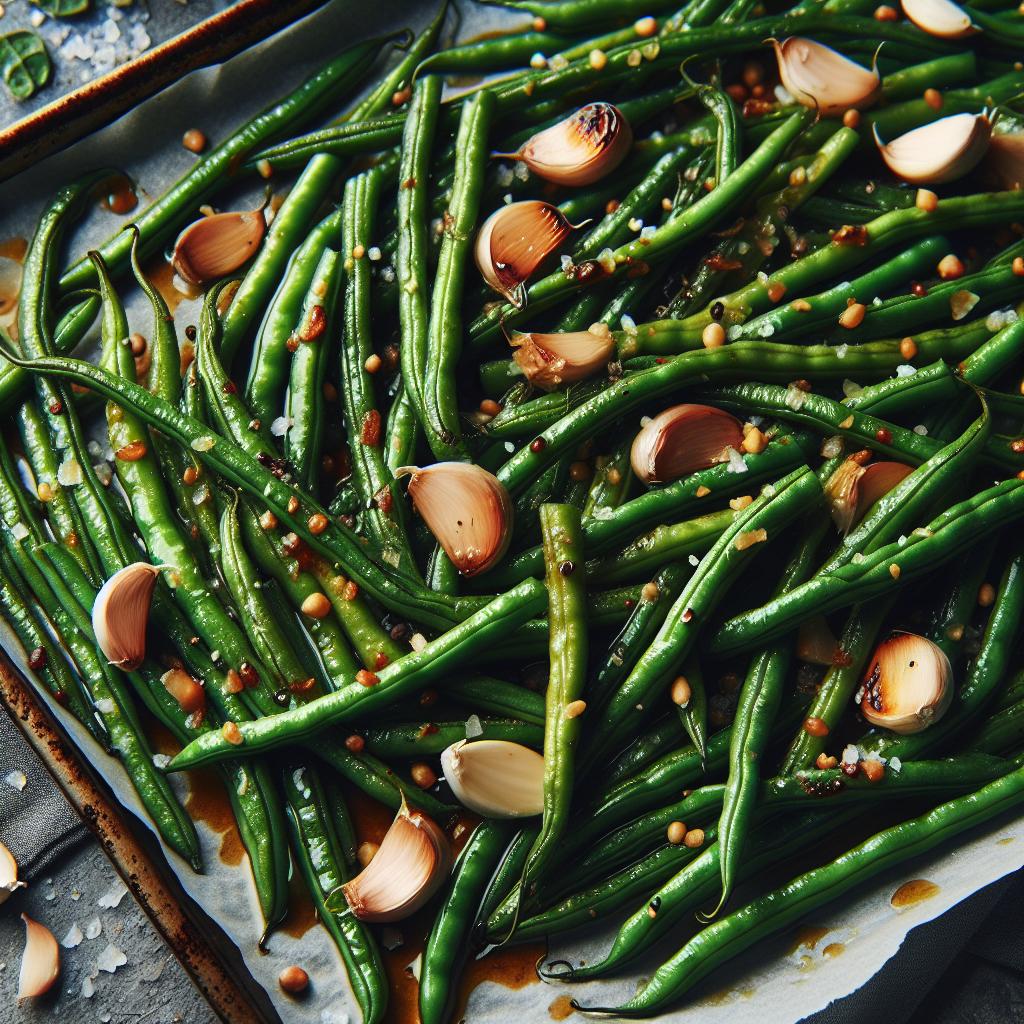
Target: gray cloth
pixel 37 824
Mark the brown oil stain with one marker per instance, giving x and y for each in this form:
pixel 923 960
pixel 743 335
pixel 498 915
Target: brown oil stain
pixel 207 800
pixel 1005 841
pixel 118 195
pixel 834 949
pixel 162 277
pixel 301 915
pixel 719 998
pixel 807 937
pixel 915 891
pixel 561 1008
pixel 512 967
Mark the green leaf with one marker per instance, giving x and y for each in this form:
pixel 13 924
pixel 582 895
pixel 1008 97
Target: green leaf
pixel 24 63
pixel 62 8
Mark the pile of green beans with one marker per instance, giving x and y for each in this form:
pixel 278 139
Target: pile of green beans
pixel 320 639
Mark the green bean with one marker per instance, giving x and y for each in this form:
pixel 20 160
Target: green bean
pixel 304 404
pixel 268 370
pixel 769 513
pixel 665 241
pixel 877 574
pixel 769 913
pixel 320 858
pixel 412 672
pixel 411 259
pixel 566 584
pixel 166 214
pixel 444 335
pixel 384 509
pixel 427 739
pixel 453 925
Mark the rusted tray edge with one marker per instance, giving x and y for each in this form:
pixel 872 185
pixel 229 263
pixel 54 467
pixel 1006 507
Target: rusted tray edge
pixel 230 992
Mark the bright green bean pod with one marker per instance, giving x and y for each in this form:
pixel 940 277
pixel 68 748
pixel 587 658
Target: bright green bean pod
pixel 444 335
pixel 566 585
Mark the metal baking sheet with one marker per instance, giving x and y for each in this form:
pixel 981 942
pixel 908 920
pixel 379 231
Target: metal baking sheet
pixel 780 981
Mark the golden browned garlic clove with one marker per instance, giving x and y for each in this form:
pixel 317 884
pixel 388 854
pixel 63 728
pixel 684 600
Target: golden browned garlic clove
pixel 40 962
pixel 550 360
pixel 908 685
pixel 514 241
pixel 495 778
pixel 121 612
pixel 466 508
pixel 941 18
pixel 683 439
pixel 8 874
pixel 413 861
pixel 215 246
pixel 580 150
pixel 935 153
pixel 1005 160
pixel 853 489
pixel 817 76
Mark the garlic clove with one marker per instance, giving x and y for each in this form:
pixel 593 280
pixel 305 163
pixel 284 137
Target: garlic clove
pixel 495 778
pixel 683 439
pixel 580 150
pixel 8 874
pixel 853 489
pixel 413 861
pixel 40 962
pixel 941 18
pixel 214 246
pixel 1005 159
pixel 908 685
pixel 939 152
pixel 466 508
pixel 186 690
pixel 550 360
pixel 514 241
pixel 121 612
pixel 819 77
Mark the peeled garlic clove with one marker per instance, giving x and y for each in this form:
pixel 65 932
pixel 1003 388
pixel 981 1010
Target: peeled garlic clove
pixel 466 508
pixel 550 360
pixel 941 18
pixel 580 150
pixel 40 963
pixel 908 686
pixel 683 439
pixel 853 489
pixel 215 246
pixel 495 778
pixel 514 241
pixel 8 874
pixel 942 151
pixel 819 77
pixel 413 861
pixel 121 612
pixel 1005 159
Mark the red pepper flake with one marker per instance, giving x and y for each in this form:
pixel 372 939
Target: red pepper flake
pixel 917 289
pixel 370 432
pixel 314 325
pixel 303 686
pixel 248 674
pixel 717 261
pixel 883 435
pixel 661 361
pixel 131 452
pixel 355 744
pixel 851 234
pixel 1017 445
pixel 537 445
pixel 756 107
pixel 384 500
pixel 351 591
pixel 427 729
pixel 56 407
pixel 381 660
pixel 229 387
pixel 292 344
pixel 37 659
pixel 366 678
pixel 629 603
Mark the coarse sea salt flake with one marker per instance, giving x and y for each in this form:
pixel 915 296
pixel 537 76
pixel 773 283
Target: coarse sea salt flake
pixel 73 938
pixel 736 463
pixel 474 728
pixel 16 780
pixel 850 754
pixel 117 892
pixel 110 959
pixel 161 761
pixel 905 370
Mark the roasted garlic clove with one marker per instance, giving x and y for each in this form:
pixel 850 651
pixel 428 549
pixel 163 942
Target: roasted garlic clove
pixel 121 612
pixel 683 439
pixel 908 685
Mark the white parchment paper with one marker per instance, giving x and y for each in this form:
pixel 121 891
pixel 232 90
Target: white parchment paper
pixel 773 984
